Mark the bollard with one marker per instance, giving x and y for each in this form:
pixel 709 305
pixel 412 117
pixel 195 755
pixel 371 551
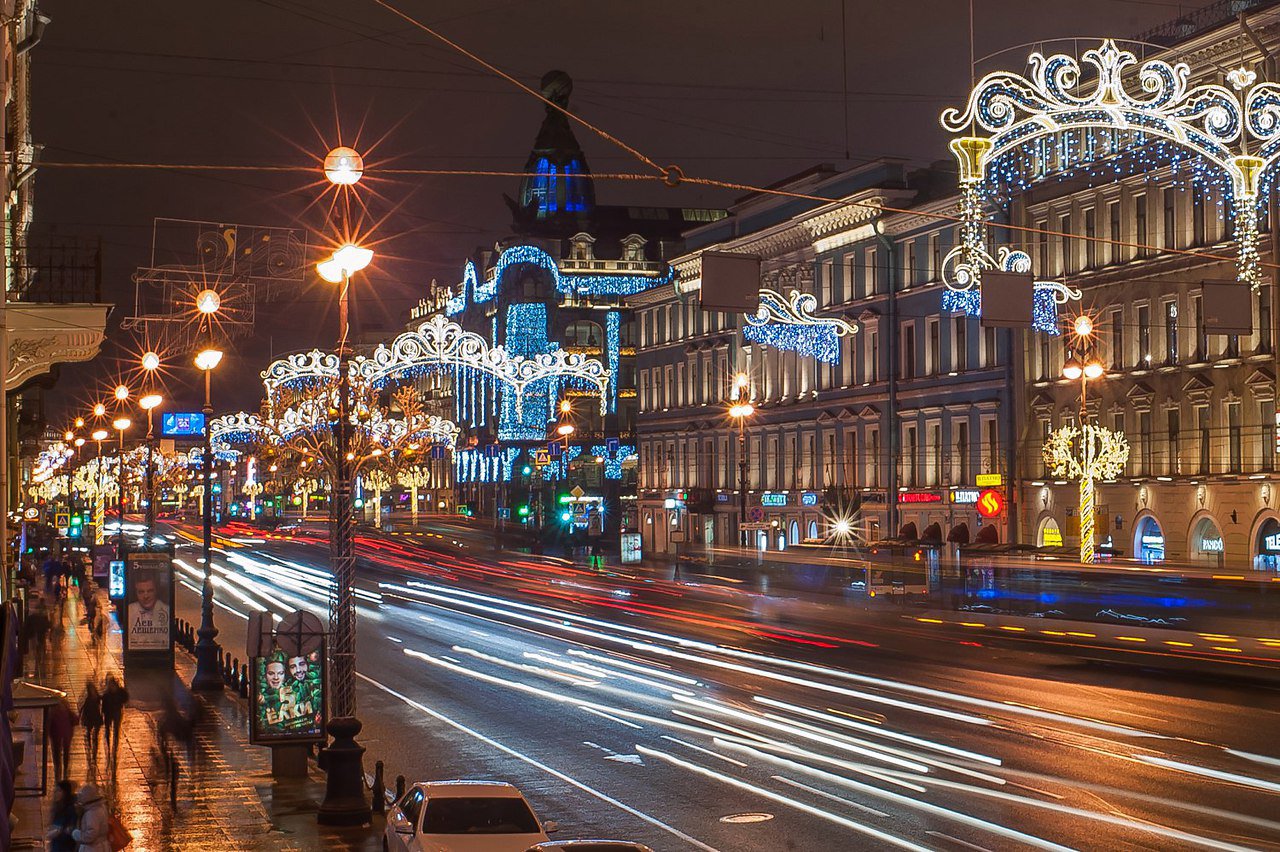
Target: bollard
pixel 379 789
pixel 399 787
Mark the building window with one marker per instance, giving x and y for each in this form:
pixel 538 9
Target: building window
pixel 872 273
pixel 1264 319
pixel 990 446
pixel 1203 438
pixel 872 364
pixel 1042 241
pixel 873 457
pixel 1171 332
pixel 851 479
pixel 825 281
pixel 1202 337
pixel 935 454
pixel 1144 336
pixel 960 344
pixel 847 288
pixel 1198 215
pixel 933 356
pixel 961 431
pixel 1064 243
pixel 1090 238
pixel 1235 443
pixel 1113 216
pixel 1170 219
pixel 1140 225
pixel 1267 419
pixel 935 257
pixel 908 350
pixel 1174 422
pixel 1045 357
pixel 1117 339
pixel 990 350
pixel 1147 438
pixel 910 456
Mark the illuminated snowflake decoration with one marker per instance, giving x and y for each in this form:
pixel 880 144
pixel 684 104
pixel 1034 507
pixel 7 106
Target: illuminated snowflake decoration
pixel 789 323
pixel 1210 120
pixel 1088 452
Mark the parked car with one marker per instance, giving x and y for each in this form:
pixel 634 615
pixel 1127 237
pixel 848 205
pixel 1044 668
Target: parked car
pixel 463 816
pixel 589 846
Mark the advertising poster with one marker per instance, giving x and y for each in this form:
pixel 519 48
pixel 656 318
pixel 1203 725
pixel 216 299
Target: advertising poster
pixel 288 698
pixel 149 602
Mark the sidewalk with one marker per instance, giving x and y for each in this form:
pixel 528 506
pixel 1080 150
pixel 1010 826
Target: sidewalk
pixel 225 799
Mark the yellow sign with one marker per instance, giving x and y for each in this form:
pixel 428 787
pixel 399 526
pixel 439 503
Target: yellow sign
pixel 989 480
pixel 1051 536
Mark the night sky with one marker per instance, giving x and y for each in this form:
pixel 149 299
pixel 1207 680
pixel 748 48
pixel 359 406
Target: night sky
pixel 747 91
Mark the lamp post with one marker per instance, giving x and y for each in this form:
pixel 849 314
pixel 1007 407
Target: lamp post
pixel 1085 369
pixel 99 507
pixel 207 676
pixel 120 424
pixel 740 410
pixel 344 799
pixel 149 403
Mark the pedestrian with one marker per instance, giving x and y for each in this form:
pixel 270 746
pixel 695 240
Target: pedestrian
pixel 60 725
pixel 91 719
pixel 40 636
pixel 94 832
pixel 114 699
pixel 62 822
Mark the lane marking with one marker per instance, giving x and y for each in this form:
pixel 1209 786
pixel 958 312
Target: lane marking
pixel 604 797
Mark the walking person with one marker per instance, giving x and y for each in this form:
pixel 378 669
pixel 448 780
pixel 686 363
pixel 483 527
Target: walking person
pixel 63 820
pixel 61 725
pixel 114 699
pixel 91 719
pixel 94 832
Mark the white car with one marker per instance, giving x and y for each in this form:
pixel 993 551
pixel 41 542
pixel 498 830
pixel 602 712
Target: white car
pixel 463 816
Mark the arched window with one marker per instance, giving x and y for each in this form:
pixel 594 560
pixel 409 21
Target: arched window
pixel 583 333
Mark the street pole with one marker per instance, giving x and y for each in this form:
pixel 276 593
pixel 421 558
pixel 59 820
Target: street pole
pixel 207 676
pixel 120 502
pixel 150 484
pixel 742 481
pixel 344 800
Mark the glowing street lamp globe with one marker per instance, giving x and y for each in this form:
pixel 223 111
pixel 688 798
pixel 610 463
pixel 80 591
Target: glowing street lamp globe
pixel 208 359
pixel 207 302
pixel 1093 370
pixel 100 434
pixel 150 361
pixel 150 401
pixel 69 436
pixel 122 423
pixel 343 166
pixel 122 393
pixel 99 410
pixel 345 261
pixel 1084 325
pixel 1072 370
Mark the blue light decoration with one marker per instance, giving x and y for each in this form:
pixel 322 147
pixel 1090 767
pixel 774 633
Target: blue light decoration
pixel 526 334
pixel 483 290
pixel 507 458
pixel 613 351
pixel 553 470
pixel 582 285
pixel 613 461
pixel 791 325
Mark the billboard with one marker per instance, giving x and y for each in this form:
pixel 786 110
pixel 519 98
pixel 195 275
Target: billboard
pixel 182 424
pixel 148 602
pixel 287 698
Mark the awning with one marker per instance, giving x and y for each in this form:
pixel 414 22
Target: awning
pixel 988 535
pixel 959 534
pixel 908 532
pixel 932 534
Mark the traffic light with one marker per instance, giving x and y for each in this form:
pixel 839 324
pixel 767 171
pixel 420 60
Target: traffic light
pixel 526 470
pixel 522 511
pixel 565 498
pixel 566 516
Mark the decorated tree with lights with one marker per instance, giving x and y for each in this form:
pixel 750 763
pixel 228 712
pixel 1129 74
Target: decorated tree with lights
pixel 1087 453
pixel 96 481
pixel 414 478
pixel 304 487
pixel 376 481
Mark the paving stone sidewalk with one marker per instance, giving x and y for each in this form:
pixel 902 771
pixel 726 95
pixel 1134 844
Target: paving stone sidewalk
pixel 225 797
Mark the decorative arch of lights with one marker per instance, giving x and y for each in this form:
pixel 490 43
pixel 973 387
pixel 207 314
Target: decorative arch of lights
pixel 442 344
pixel 1236 129
pixel 1086 453
pixel 789 323
pixel 236 430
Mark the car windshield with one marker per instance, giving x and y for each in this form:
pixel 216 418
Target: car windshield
pixel 488 815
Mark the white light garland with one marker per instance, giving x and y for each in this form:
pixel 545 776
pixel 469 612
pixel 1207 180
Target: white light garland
pixel 789 323
pixel 1087 453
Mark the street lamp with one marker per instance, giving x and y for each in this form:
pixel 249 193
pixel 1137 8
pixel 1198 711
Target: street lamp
pixel 740 409
pixel 120 424
pixel 99 410
pixel 208 302
pixel 121 393
pixel 344 800
pixel 207 676
pixel 1085 369
pixel 343 166
pixel 149 403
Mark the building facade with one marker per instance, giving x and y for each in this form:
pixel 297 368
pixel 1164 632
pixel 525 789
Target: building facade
pixel 888 435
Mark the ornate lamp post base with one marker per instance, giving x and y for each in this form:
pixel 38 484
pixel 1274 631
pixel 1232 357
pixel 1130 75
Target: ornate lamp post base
pixel 208 677
pixel 343 762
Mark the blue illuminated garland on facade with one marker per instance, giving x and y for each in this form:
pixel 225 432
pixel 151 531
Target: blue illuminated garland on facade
pixel 526 335
pixel 1044 308
pixel 552 469
pixel 613 462
pixel 613 350
pixel 811 341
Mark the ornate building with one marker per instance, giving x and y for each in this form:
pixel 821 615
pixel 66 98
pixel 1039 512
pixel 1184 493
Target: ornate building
pixel 888 428
pixel 559 283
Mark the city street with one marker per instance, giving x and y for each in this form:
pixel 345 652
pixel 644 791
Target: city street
pixel 677 729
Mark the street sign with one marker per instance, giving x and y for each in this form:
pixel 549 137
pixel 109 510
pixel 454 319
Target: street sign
pixel 756 513
pixel 182 424
pixel 989 480
pixel 991 503
pixel 541 458
pixel 299 633
pixel 754 526
pixel 62 520
pixel 577 491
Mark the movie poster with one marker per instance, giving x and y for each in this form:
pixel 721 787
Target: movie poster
pixel 288 697
pixel 149 598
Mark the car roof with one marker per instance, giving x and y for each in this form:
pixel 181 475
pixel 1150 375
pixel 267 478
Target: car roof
pixel 489 789
pixel 590 846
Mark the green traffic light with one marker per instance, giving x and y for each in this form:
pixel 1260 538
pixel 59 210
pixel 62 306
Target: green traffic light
pixel 526 470
pixel 566 498
pixel 522 511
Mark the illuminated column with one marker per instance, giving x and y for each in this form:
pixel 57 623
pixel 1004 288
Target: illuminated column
pixel 1086 520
